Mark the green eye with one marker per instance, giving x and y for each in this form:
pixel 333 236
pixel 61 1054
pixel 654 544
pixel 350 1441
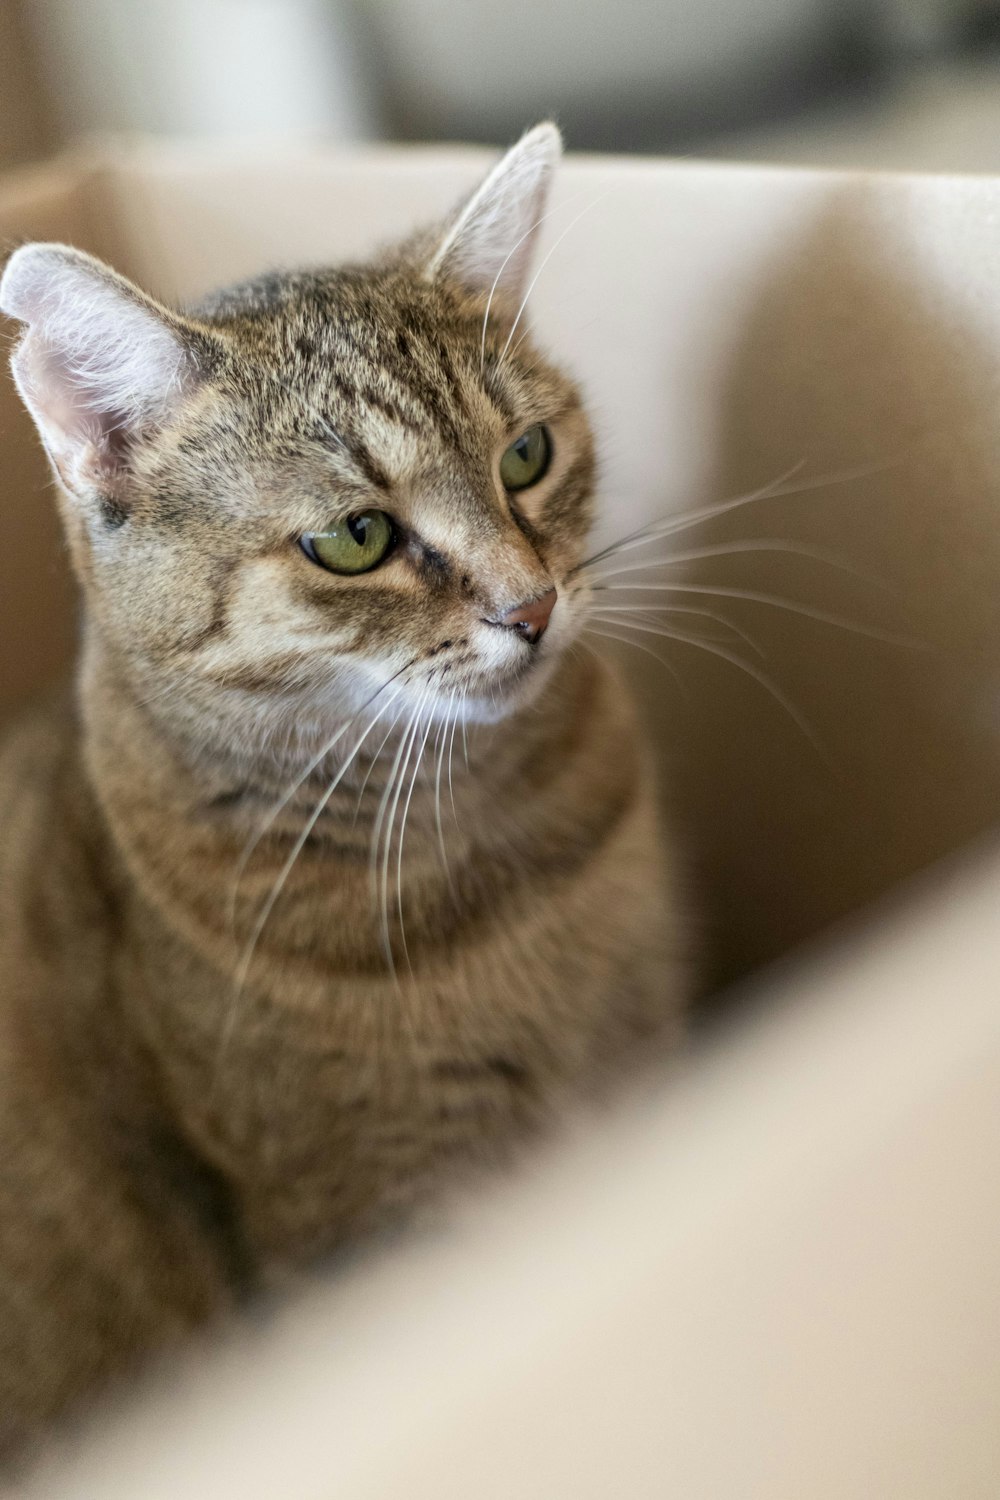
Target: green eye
pixel 526 461
pixel 354 546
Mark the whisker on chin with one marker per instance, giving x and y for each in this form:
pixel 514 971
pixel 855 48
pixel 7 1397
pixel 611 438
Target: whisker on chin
pixel 279 885
pixel 402 834
pixel 283 802
pixel 465 732
pixel 447 722
pixel 380 816
pixel 392 795
pixel 372 764
pixel 451 755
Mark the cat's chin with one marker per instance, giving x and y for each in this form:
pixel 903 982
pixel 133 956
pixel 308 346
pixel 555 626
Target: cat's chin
pixel 490 699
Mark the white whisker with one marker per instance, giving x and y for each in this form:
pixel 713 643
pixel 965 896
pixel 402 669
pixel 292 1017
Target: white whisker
pixel 766 682
pixel 750 544
pixel 552 249
pixel 612 635
pixel 380 885
pixel 778 488
pixel 276 889
pixel 720 591
pixel 371 765
pixel 465 732
pixel 447 722
pixel 644 611
pixel 402 835
pixel 451 753
pixel 503 266
pixel 283 802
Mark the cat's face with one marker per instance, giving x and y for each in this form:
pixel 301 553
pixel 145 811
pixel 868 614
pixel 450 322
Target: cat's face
pixel 327 486
pixel 332 510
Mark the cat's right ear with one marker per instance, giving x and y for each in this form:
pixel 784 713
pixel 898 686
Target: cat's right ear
pixel 99 362
pixel 488 249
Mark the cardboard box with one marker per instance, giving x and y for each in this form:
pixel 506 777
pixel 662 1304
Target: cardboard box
pixel 782 1279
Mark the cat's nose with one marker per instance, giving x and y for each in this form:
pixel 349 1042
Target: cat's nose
pixel 531 619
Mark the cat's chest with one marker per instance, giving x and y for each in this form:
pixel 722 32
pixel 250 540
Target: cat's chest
pixel 374 1024
pixel 328 1121
pixel 331 1101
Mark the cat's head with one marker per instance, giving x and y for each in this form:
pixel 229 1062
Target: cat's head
pixel 322 485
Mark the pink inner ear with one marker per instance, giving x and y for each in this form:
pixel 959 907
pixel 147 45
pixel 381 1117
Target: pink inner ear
pixel 98 363
pixel 80 439
pixel 60 397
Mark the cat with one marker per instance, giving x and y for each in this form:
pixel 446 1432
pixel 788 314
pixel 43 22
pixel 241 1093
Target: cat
pixel 340 869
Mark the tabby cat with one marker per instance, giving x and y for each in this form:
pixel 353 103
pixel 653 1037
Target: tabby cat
pixel 340 867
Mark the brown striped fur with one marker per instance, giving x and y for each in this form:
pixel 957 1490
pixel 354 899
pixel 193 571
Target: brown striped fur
pixel 180 1120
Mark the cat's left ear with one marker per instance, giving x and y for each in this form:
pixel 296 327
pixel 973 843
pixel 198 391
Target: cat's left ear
pixel 99 364
pixel 490 245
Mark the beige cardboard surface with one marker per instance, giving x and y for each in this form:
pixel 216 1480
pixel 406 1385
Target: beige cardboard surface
pixel 37 605
pixel 27 129
pixel 775 1280
pixel 730 325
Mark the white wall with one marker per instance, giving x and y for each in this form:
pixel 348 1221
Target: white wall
pixel 512 52
pixel 241 67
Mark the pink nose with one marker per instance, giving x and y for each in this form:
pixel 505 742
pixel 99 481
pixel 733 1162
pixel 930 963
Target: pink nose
pixel 531 619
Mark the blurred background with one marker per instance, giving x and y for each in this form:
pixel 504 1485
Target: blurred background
pixel 893 83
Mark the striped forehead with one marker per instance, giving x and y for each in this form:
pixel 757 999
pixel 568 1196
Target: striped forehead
pixel 409 415
pixel 429 394
pixel 400 388
pixel 413 455
pixel 379 351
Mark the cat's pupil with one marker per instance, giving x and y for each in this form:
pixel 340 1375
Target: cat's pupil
pixel 358 527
